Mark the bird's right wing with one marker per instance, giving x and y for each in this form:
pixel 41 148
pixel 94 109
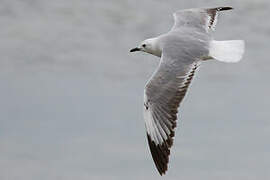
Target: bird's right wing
pixel 201 18
pixel 163 94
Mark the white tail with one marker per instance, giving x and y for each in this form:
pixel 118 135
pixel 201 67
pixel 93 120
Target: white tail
pixel 227 51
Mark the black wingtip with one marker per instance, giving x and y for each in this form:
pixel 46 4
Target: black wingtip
pixel 160 155
pixel 224 8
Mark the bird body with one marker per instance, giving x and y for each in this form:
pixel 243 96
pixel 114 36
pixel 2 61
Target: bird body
pixel 181 50
pixel 183 38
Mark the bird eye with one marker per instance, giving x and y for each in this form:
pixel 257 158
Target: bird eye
pixel 144 45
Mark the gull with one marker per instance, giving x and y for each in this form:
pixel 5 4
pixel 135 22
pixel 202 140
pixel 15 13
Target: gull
pixel 181 50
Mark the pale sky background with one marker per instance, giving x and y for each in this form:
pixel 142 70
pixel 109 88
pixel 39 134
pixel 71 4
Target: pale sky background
pixel 71 94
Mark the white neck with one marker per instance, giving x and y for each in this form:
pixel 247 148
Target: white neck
pixel 154 47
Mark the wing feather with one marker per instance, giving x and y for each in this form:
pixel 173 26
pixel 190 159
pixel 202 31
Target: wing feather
pixel 163 94
pixel 201 18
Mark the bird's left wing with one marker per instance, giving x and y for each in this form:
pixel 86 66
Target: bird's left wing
pixel 200 18
pixel 162 96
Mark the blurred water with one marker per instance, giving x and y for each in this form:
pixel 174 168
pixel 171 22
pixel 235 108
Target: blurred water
pixel 71 93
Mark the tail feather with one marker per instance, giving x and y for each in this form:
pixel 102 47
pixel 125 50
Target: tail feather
pixel 227 51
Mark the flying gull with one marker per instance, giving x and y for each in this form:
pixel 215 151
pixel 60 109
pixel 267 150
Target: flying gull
pixel 181 50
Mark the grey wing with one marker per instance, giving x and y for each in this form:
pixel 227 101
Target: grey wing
pixel 163 94
pixel 204 18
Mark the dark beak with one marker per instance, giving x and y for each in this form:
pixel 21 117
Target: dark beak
pixel 135 49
